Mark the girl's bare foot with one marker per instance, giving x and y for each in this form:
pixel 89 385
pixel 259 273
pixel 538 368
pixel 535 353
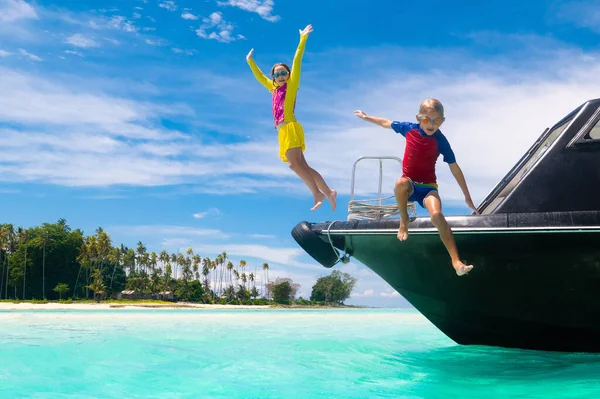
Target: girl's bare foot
pixel 332 199
pixel 403 231
pixel 461 268
pixel 319 198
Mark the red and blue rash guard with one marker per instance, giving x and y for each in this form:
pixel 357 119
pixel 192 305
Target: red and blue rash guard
pixel 422 152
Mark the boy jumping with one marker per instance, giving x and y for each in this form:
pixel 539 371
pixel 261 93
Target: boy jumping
pixel 424 143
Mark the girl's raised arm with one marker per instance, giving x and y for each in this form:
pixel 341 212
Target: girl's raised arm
pixel 297 63
pixel 258 74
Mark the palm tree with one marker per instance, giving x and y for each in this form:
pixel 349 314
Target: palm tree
pixel 104 246
pixel 186 262
pixel 23 239
pixel 251 278
pixel 163 257
pixel 83 258
pixel 129 260
pixel 2 242
pixel 181 263
pixel 153 263
pixel 140 254
pixel 115 259
pixel 174 263
pixel 223 272
pixel 97 285
pixel 205 272
pixel 266 270
pixel 11 249
pixel 92 251
pixel 196 261
pixel 213 267
pixel 168 272
pixel 10 242
pixel 242 265
pixel 244 279
pixel 230 268
pixel 206 263
pixel 216 263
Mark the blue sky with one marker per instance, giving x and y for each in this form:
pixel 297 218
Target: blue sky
pixel 143 117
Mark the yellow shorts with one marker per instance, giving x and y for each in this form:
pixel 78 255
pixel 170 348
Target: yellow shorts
pixel 291 135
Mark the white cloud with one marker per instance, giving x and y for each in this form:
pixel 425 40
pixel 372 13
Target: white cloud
pixel 584 14
pixel 9 191
pixel 495 111
pixel 32 57
pixel 389 293
pixel 77 53
pixel 113 140
pixel 263 8
pixel 79 40
pixel 4 53
pixel 282 256
pixel 105 10
pixel 364 294
pixel 136 15
pixel 153 42
pixel 263 236
pixel 182 51
pixel 13 10
pixel 168 5
pixel 71 137
pixel 115 22
pixel 222 30
pixel 167 232
pixel 189 15
pixel 211 211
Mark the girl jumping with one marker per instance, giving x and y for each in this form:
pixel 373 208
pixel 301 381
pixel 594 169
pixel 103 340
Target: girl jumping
pixel 283 85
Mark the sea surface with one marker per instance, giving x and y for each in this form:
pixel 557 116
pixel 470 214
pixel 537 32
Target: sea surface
pixel 269 354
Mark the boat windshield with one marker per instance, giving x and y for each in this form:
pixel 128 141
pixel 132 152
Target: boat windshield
pixel 594 134
pixel 529 162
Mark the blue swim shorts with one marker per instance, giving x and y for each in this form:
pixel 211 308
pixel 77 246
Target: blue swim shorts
pixel 420 191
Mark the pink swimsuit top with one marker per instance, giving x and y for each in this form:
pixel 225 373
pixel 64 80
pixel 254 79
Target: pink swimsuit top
pixel 277 103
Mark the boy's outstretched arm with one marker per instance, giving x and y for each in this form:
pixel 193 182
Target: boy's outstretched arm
pixel 460 179
pixel 383 122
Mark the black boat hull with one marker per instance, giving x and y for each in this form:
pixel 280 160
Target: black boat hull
pixel 534 286
pixel 535 247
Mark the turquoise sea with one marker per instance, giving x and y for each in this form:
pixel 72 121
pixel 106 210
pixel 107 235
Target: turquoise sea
pixel 269 354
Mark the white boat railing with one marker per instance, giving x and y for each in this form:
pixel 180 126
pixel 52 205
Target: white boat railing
pixel 375 208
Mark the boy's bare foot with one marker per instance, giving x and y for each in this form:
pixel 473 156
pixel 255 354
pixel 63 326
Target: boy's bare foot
pixel 332 200
pixel 461 268
pixel 318 201
pixel 403 231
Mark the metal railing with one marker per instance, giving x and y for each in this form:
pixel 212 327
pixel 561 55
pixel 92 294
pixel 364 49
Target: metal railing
pixel 363 209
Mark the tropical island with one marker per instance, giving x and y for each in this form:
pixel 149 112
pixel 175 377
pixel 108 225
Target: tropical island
pixel 54 263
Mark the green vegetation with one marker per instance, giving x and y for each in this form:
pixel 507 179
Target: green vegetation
pixel 53 262
pixel 335 288
pixel 283 290
pixel 61 289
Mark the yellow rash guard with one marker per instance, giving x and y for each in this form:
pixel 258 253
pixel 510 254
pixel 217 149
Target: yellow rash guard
pixel 284 97
pixel 291 134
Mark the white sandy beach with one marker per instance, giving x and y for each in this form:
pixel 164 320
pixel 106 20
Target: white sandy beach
pixel 108 306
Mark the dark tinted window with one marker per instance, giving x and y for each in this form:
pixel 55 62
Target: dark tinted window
pixel 594 134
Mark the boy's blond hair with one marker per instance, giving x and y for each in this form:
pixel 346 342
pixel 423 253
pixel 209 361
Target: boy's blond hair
pixel 431 104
